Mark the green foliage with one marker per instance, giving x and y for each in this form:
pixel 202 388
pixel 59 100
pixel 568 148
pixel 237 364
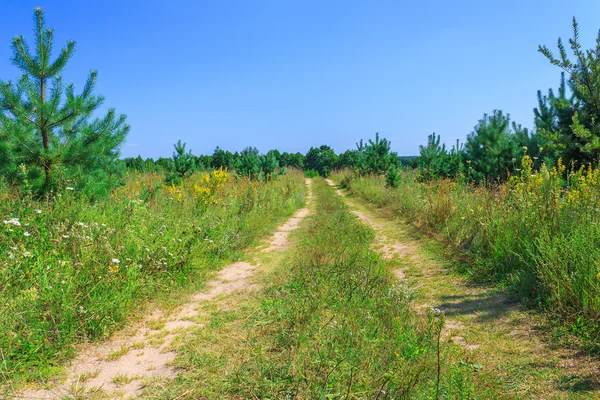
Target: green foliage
pixel 269 164
pixel 377 156
pixel 533 234
pixel 48 129
pixel 392 177
pixel 433 158
pixel 292 160
pixel 310 173
pixel 336 299
pixel 321 159
pixel 373 157
pixel 222 159
pixel 75 270
pixel 492 149
pixel 333 323
pixel 572 125
pixel 248 164
pixel 183 164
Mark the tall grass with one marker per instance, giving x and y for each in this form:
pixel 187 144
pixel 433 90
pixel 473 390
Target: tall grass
pixel 333 324
pixel 73 270
pixel 538 233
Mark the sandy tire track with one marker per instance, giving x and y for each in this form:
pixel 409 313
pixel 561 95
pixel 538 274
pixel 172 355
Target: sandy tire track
pixel 483 322
pixel 135 357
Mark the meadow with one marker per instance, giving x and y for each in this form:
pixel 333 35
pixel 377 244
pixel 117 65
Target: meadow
pixel 332 322
pixel 76 269
pixel 535 235
pixel 90 241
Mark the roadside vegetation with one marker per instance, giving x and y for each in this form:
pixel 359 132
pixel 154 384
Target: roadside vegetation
pixel 75 270
pixel 530 234
pixel 522 203
pixel 333 322
pixel 88 238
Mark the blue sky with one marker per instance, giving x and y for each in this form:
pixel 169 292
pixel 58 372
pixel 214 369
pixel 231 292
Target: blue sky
pixel 294 74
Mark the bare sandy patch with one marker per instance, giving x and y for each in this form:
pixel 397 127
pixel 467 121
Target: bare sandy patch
pixel 280 240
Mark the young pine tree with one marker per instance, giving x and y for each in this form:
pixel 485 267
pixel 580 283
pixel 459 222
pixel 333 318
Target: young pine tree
pixel 49 129
pixel 268 165
pixel 575 130
pixel 492 148
pixel 183 164
pixel 433 160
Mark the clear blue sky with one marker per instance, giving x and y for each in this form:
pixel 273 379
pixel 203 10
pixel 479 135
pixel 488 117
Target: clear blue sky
pixel 293 74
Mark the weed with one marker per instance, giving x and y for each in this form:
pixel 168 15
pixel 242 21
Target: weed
pixel 76 269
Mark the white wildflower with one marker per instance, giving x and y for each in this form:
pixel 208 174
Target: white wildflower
pixel 38 211
pixel 27 234
pixel 69 188
pixel 115 261
pixel 12 221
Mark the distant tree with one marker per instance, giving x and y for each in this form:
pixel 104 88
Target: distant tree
pixel 377 156
pixel 349 159
pixel 433 158
pixel 136 164
pixel 164 164
pixel 321 159
pixel 203 162
pixel 150 165
pixel 275 153
pixel 183 163
pixel 492 149
pixel 293 160
pixel 392 177
pixel 222 159
pixel 45 126
pixel 572 125
pixel 269 165
pixel 249 163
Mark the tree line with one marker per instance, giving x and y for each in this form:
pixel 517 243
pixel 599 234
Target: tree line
pixel 50 137
pixel 566 126
pixel 369 157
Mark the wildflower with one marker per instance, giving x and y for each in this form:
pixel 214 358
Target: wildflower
pixel 80 224
pixel 38 211
pixel 69 188
pixel 27 254
pixel 27 234
pixel 115 261
pixel 436 310
pixel 11 256
pixel 65 236
pixel 13 221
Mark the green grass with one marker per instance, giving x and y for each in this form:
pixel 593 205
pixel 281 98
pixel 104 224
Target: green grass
pixel 533 236
pixel 332 322
pixel 75 270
